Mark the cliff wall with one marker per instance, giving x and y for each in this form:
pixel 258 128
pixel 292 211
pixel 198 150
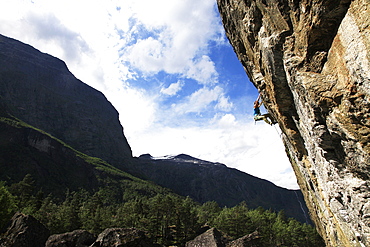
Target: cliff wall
pixel 310 60
pixel 40 90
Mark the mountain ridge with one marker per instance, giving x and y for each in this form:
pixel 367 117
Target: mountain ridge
pixel 180 157
pixel 212 181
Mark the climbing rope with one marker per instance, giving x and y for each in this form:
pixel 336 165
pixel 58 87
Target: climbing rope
pixel 280 134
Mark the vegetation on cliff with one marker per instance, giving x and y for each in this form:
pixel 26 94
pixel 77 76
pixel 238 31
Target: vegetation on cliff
pixel 57 167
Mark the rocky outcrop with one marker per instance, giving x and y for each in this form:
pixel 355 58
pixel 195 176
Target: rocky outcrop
pixel 24 231
pixel 211 238
pixel 121 237
pixel 39 89
pixel 207 181
pixel 77 238
pixel 310 60
pixel 215 238
pixel 250 240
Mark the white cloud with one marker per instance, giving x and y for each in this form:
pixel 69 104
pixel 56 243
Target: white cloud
pixel 171 37
pixel 172 89
pixel 137 109
pixel 227 120
pixel 149 37
pixel 49 29
pixel 203 71
pixel 146 55
pixel 224 104
pixel 202 99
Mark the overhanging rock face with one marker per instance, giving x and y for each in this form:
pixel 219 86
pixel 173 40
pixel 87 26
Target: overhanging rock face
pixel 310 60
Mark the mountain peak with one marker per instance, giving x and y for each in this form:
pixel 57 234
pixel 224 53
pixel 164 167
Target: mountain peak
pixel 180 158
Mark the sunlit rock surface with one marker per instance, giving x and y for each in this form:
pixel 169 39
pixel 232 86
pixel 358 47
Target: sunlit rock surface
pixel 310 61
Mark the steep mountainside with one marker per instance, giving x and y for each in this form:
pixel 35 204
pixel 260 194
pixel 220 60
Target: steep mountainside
pixel 310 61
pixel 40 90
pixel 206 181
pixel 56 167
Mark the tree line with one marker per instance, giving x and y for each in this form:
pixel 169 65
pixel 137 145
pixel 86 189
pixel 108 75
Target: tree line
pixel 168 218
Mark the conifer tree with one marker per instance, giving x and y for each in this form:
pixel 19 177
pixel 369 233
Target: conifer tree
pixel 7 205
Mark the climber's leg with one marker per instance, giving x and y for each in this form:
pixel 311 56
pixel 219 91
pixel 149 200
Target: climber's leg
pixel 262 117
pixel 271 119
pixel 266 120
pixel 258 117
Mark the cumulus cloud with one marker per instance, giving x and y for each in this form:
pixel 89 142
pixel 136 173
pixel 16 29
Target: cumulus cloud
pixel 224 104
pixel 136 108
pixel 203 70
pixel 172 89
pixel 50 29
pixel 173 37
pixel 203 99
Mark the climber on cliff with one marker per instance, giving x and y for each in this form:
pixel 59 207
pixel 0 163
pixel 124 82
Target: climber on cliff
pixel 257 113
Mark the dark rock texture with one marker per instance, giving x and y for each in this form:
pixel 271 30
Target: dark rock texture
pixel 56 167
pixel 40 90
pixel 207 181
pixel 310 60
pixel 77 238
pixel 24 231
pixel 123 237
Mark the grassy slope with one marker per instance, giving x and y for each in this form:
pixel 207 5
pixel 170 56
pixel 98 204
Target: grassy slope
pixel 57 167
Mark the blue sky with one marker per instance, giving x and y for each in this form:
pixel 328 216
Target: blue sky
pixel 168 69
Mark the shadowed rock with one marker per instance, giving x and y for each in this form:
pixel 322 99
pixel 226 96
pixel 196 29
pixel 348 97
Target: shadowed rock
pixel 25 231
pixel 250 240
pixel 122 237
pixel 40 90
pixel 77 238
